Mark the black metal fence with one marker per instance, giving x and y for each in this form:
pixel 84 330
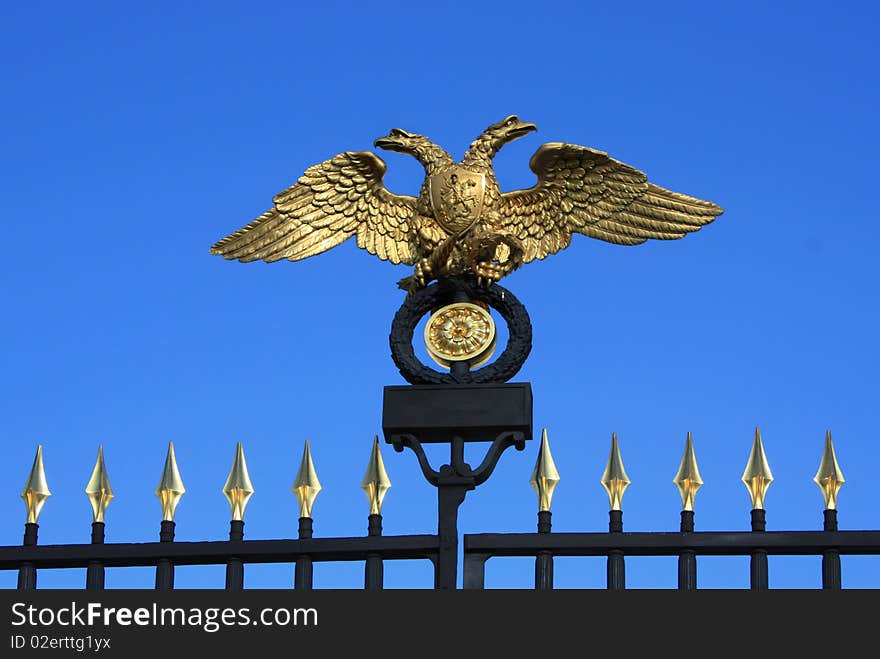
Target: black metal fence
pixel 687 544
pixel 235 553
pixel 375 549
pixel 454 415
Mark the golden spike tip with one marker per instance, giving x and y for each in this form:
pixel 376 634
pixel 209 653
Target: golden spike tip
pixel 170 489
pixel 238 488
pixel 306 485
pixel 614 478
pixel 544 478
pixel 829 478
pixel 757 476
pixel 36 490
pixel 98 488
pixel 376 482
pixel 688 479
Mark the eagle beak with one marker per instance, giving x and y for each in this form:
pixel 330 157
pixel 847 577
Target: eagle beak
pixel 385 143
pixel 523 128
pixel 394 140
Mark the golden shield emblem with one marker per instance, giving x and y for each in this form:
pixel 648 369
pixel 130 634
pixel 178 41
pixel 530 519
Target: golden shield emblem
pixel 457 198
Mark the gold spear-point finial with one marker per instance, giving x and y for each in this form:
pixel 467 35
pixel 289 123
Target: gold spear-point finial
pixel 614 479
pixel 544 477
pixel 36 491
pixel 688 478
pixel 829 478
pixel 376 482
pixel 306 486
pixel 98 488
pixel 238 488
pixel 757 476
pixel 170 488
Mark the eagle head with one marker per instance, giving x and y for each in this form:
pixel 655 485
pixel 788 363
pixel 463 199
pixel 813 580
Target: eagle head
pixel 401 141
pixel 507 130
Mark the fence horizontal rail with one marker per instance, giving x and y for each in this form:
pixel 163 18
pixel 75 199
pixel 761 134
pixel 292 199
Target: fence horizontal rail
pixel 718 543
pixel 219 552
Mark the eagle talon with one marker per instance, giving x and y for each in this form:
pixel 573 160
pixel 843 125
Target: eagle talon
pixel 489 273
pixel 422 275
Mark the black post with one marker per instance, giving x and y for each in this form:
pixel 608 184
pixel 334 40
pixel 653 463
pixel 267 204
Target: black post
pixel 374 569
pixel 616 566
pixel 234 566
pixel 758 576
pixel 95 570
pixel 831 557
pixel 455 414
pixel 165 568
pixel 687 559
pixel 450 496
pixel 27 573
pixel 544 559
pixel 302 578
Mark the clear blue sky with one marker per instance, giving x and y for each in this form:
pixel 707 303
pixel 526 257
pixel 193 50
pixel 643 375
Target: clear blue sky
pixel 133 139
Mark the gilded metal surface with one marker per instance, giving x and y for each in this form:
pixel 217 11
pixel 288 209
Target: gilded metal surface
pixel 614 478
pixel 238 488
pixel 757 475
pixel 98 488
pixel 36 490
pixel 829 478
pixel 170 488
pixel 688 479
pixel 306 484
pixel 457 198
pixel 461 331
pixel 545 477
pixel 376 482
pixel 461 223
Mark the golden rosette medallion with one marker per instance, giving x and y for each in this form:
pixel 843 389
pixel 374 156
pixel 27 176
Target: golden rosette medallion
pixel 460 332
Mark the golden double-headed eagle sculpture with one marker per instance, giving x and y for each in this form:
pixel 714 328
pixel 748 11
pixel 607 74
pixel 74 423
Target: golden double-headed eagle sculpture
pixel 461 223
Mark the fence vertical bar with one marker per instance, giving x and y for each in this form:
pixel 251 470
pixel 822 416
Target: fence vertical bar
pixel 687 559
pixel 544 559
pixel 302 578
pixel 27 573
pixel 758 565
pixel 831 557
pixel 374 570
pixel 616 567
pixel 234 566
pixel 95 570
pixel 165 568
pixel 475 571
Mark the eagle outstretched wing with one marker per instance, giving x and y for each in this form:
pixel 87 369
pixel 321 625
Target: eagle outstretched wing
pixel 330 202
pixel 583 190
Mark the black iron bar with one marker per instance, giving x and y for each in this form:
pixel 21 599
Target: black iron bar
pixel 27 573
pixel 95 570
pixel 164 567
pixel 704 543
pixel 234 566
pixel 544 559
pixel 302 579
pixel 831 579
pixel 218 552
pixel 374 571
pixel 758 564
pixel 616 571
pixel 687 558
